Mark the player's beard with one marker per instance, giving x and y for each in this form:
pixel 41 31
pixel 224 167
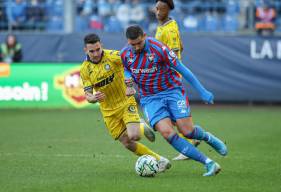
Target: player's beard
pixel 96 59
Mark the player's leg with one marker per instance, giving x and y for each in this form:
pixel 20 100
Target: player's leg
pixel 140 149
pixel 186 127
pixel 180 113
pixel 192 141
pixel 164 126
pixel 156 112
pixel 136 147
pixel 140 128
pixel 135 130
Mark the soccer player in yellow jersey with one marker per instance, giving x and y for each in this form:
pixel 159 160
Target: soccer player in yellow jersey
pixel 168 33
pixel 103 78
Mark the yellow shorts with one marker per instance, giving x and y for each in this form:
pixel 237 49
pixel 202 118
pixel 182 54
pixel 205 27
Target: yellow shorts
pixel 116 121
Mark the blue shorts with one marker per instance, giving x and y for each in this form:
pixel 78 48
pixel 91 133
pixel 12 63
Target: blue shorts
pixel 170 103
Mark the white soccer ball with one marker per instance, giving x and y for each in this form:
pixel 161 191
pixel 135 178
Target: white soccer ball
pixel 146 166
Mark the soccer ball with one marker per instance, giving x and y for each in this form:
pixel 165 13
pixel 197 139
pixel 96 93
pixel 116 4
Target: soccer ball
pixel 146 166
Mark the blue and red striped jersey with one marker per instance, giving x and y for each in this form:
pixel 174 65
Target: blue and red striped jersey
pixel 152 69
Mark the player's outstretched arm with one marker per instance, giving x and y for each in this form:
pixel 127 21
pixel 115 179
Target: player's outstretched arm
pixel 205 95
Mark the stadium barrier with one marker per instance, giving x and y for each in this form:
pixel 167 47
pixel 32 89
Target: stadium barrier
pixel 234 68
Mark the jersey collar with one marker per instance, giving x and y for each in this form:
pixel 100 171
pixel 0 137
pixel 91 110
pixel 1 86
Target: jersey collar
pixel 167 22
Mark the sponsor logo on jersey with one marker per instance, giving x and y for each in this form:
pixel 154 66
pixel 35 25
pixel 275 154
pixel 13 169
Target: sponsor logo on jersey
pixel 146 70
pixel 182 106
pixel 105 81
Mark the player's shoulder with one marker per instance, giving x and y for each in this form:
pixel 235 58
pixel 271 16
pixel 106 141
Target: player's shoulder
pixel 155 43
pixel 125 51
pixel 84 64
pixel 85 67
pixel 110 53
pixel 172 25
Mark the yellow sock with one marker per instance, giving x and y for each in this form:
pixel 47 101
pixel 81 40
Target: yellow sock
pixel 143 150
pixel 189 140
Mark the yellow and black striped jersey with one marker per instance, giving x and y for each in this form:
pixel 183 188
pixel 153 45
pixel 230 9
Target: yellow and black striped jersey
pixel 169 34
pixel 106 76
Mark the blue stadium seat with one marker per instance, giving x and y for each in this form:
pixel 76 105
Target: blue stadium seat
pixel 113 25
pixel 81 24
pixel 210 22
pixel 55 24
pixel 232 7
pixel 191 23
pixel 230 23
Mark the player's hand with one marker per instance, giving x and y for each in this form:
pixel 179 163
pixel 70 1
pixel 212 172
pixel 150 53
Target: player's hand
pixel 98 96
pixel 130 91
pixel 208 97
pixel 129 82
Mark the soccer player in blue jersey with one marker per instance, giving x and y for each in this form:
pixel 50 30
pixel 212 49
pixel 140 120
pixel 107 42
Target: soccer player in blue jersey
pixel 155 69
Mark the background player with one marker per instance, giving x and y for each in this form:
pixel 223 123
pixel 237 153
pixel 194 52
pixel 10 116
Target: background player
pixel 168 33
pixel 154 67
pixel 102 75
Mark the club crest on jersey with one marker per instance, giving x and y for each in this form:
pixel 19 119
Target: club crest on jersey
pixel 132 109
pixel 151 57
pixel 130 60
pixel 107 67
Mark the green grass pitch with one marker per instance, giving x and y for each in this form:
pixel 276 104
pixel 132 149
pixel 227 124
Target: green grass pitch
pixel 70 150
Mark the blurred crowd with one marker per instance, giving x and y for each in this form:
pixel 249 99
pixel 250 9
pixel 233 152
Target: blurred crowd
pixel 115 15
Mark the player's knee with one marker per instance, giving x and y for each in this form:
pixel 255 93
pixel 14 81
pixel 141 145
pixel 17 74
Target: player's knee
pixel 184 128
pixel 167 132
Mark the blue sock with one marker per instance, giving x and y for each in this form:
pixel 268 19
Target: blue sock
pixel 187 149
pixel 198 133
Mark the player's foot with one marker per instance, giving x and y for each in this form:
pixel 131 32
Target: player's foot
pixel 163 164
pixel 217 144
pixel 181 157
pixel 213 168
pixel 148 132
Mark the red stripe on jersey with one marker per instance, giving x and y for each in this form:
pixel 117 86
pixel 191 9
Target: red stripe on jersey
pixel 156 43
pixel 173 78
pixel 165 61
pixel 167 57
pixel 160 76
pixel 160 46
pixel 158 53
pixel 152 77
pixel 124 58
pixel 143 62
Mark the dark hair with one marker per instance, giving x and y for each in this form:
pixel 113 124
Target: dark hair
pixel 91 38
pixel 170 3
pixel 133 32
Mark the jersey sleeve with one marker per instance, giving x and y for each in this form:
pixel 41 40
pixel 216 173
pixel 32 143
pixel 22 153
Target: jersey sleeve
pixel 85 77
pixel 169 56
pixel 173 38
